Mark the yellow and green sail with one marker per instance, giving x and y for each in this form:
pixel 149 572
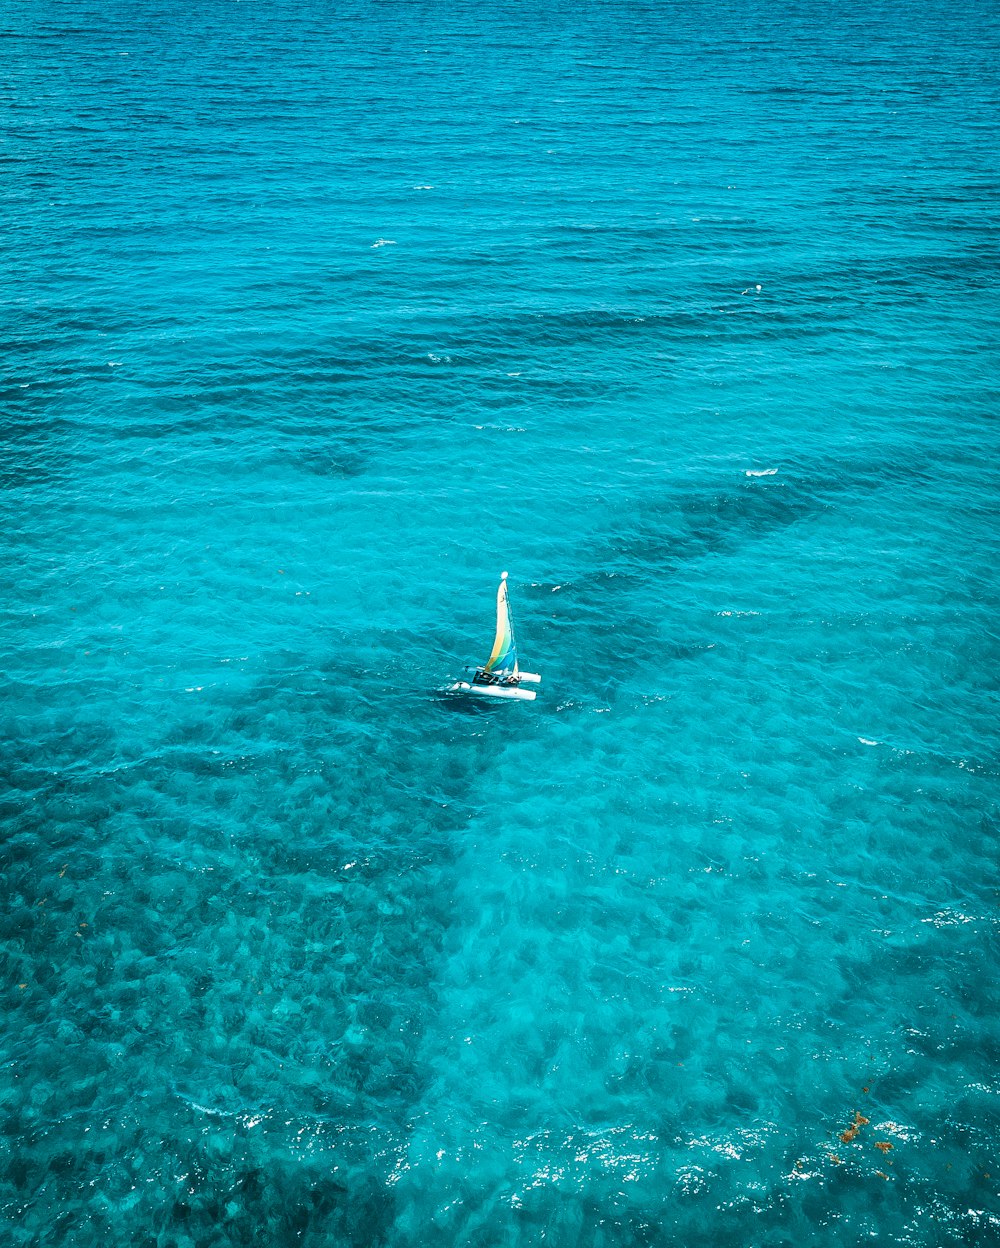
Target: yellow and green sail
pixel 504 655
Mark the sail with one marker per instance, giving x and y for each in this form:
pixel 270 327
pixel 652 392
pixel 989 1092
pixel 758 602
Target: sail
pixel 504 656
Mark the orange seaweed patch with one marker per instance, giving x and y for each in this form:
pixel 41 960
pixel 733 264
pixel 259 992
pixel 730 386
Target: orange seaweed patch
pixel 859 1121
pixel 883 1146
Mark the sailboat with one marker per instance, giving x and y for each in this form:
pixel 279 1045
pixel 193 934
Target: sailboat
pixel 500 676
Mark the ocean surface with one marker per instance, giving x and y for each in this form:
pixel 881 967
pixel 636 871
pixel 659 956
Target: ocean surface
pixel 315 318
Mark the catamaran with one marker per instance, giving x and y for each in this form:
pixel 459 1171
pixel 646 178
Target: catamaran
pixel 500 676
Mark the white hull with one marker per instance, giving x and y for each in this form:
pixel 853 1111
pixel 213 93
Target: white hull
pixel 496 691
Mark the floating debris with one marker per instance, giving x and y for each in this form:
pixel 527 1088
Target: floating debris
pixel 859 1121
pixel 883 1146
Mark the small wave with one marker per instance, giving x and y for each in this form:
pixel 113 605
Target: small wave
pixel 384 242
pixel 889 1127
pixel 949 918
pixel 208 1110
pixel 761 472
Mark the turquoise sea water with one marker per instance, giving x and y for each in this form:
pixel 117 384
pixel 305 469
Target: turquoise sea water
pixel 317 317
